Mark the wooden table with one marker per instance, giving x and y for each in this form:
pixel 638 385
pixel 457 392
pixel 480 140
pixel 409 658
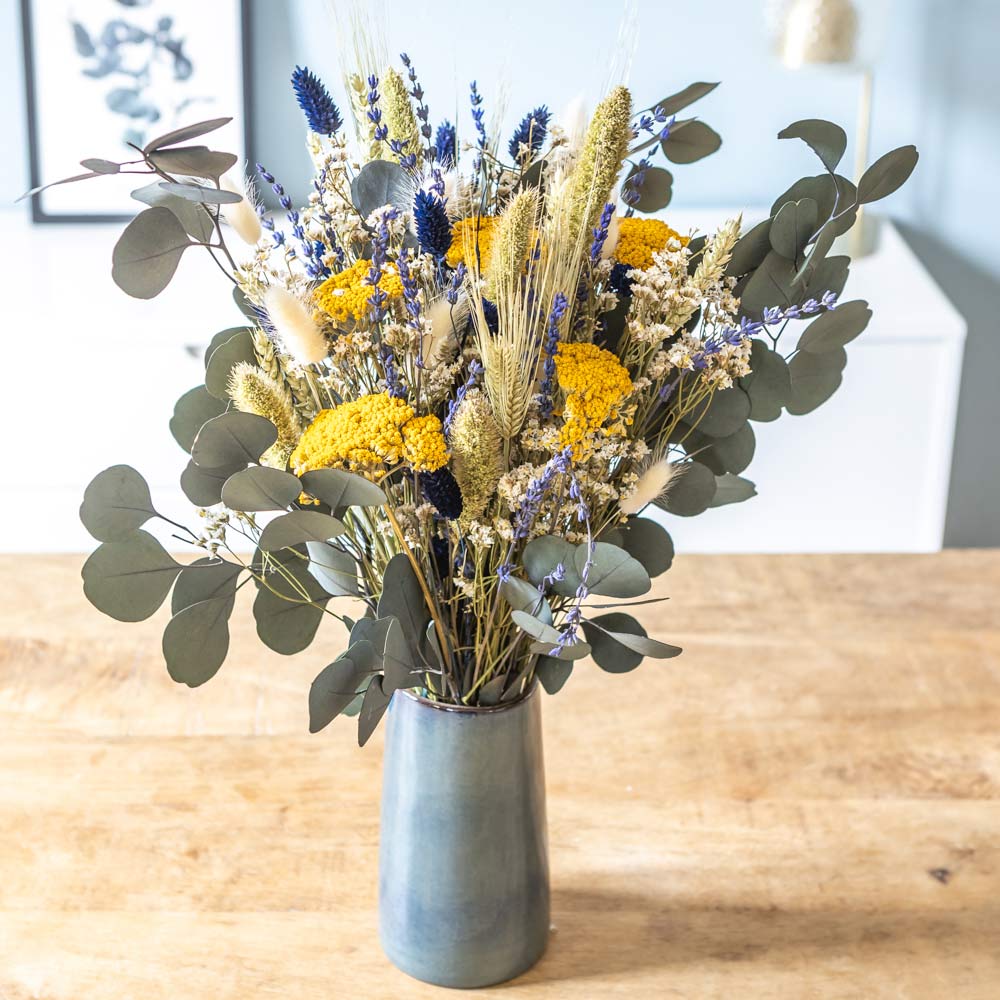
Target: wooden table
pixel 806 804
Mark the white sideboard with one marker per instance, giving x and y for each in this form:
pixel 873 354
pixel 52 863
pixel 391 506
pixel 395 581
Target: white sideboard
pixel 93 375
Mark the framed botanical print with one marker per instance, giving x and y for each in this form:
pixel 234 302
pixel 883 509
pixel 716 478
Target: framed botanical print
pixel 106 73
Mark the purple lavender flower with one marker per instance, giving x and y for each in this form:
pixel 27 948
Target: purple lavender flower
pixel 600 233
pixel 445 146
pixel 549 348
pixel 529 136
pixel 432 224
pixel 374 111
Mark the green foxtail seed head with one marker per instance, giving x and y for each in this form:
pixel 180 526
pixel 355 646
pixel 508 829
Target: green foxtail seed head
pixel 477 454
pixel 254 391
pixel 511 243
pixel 398 116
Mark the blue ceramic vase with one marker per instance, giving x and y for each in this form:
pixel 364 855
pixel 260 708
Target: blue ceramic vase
pixel 463 858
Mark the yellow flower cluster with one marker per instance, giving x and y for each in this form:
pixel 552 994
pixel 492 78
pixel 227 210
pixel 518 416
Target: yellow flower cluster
pixel 595 384
pixel 638 239
pixel 367 432
pixel 463 234
pixel 345 295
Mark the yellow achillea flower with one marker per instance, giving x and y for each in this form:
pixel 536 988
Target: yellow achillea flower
pixel 595 384
pixel 367 432
pixel 638 239
pixel 463 234
pixel 345 296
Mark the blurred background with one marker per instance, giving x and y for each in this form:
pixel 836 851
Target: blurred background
pixel 906 457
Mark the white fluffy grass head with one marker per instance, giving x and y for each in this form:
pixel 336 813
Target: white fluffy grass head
pixel 653 484
pixel 300 336
pixel 573 120
pixel 242 215
pixel 445 321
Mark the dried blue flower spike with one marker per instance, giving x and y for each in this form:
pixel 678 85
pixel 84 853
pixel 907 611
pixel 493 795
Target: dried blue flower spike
pixel 432 224
pixel 315 101
pixel 445 145
pixel 530 134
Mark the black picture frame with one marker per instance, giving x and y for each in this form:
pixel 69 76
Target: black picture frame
pixel 37 211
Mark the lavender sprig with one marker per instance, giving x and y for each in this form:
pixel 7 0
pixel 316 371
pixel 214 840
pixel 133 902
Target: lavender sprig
pixel 476 100
pixel 374 111
pixel 549 348
pixel 417 93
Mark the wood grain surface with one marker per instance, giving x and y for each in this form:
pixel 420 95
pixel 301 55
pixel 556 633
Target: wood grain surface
pixel 805 804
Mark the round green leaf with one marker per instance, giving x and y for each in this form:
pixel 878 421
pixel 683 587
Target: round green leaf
pixel 203 487
pixel 204 580
pixel 552 673
pixel 656 190
pixel 541 556
pixel 609 654
pixel 228 352
pixel 691 491
pixel 613 572
pixel 299 526
pixel 722 414
pixel 535 627
pixel 334 569
pixel 523 596
pixel 334 688
pixel 195 220
pixel 694 141
pixel 826 139
pixel 403 598
pixel 193 161
pixel 815 378
pixel 116 503
pixel 732 489
pixel 769 386
pixel 827 190
pixel 200 194
pixel 191 412
pixel 887 174
pixel 373 707
pixel 379 183
pixel 233 439
pixel 287 624
pixel 400 664
pixel 129 580
pixel 793 226
pixel 648 542
pixel 669 106
pixel 338 489
pixel 260 488
pixel 832 330
pixel 771 284
pixel 148 252
pixel 184 133
pixel 750 250
pixel 196 640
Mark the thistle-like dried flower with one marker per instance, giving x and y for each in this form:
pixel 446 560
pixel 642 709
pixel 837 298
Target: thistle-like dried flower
pixel 300 336
pixel 512 243
pixel 652 485
pixel 242 215
pixel 477 454
pixel 252 390
pixel 399 117
pixel 604 148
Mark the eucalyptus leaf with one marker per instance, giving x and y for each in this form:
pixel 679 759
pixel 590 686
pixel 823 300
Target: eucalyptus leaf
pixel 772 284
pixel 334 569
pixel 116 504
pixel 260 488
pixel 338 489
pixel 648 542
pixel 655 191
pixel 148 252
pixel 204 580
pixel 373 706
pixel 184 133
pixel 372 630
pixel 693 142
pixel 203 486
pixel 831 192
pixel 613 572
pixel 523 596
pixel 732 489
pixel 100 166
pixel 732 453
pixel 750 250
pixel 627 632
pixel 815 378
pixel 769 386
pixel 191 412
pixel 235 346
pixel 691 491
pixel 535 627
pixel 52 184
pixel 722 414
pixel 129 580
pixel 403 598
pixel 193 161
pixel 669 106
pixel 552 674
pixel 834 329
pixel 402 670
pixel 381 183
pixel 830 276
pixel 196 640
pixel 541 556
pixel 492 691
pixel 793 227
pixel 297 527
pixel 887 174
pixel 608 653
pixel 826 139
pixel 200 194
pixel 286 621
pixel 577 650
pixel 334 688
pixel 233 439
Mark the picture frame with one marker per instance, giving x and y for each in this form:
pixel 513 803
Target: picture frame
pixel 125 70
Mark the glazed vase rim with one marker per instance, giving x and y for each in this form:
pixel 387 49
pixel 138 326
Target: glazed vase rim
pixel 442 706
